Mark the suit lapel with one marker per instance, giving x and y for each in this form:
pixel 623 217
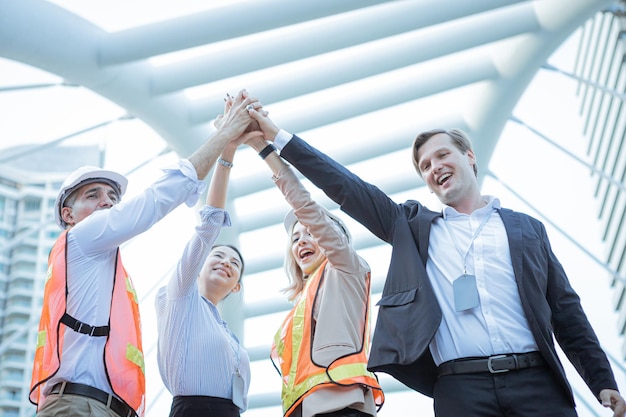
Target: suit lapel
pixel 420 228
pixel 514 235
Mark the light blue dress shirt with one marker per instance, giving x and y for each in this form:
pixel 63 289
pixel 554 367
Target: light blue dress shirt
pixel 91 251
pixel 197 353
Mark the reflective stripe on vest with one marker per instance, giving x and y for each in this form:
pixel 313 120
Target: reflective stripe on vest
pixel 292 355
pixel 123 355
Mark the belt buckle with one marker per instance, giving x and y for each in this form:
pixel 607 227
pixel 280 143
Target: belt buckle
pixel 490 365
pixel 80 326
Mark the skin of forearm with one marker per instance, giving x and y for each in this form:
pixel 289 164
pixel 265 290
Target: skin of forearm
pixel 273 161
pixel 205 157
pixel 218 189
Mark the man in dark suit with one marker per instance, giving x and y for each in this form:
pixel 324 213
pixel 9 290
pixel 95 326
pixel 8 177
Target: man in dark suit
pixel 474 296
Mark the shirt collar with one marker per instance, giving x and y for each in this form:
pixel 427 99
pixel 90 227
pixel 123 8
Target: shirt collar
pixel 492 203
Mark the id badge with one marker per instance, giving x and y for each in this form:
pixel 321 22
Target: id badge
pixel 465 293
pixel 238 390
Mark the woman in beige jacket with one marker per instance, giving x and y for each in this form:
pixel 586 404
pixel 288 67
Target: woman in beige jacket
pixel 321 349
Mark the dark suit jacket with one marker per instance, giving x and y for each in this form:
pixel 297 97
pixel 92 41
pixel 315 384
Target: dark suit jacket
pixel 409 314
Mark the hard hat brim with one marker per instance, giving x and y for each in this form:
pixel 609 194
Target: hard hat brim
pixel 87 175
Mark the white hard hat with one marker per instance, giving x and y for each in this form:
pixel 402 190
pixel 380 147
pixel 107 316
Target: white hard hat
pixel 86 175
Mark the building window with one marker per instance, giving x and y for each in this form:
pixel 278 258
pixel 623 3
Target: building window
pixel 32 205
pixel 12 375
pixel 53 234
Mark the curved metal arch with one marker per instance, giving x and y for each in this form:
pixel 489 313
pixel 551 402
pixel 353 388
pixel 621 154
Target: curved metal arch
pixel 494 45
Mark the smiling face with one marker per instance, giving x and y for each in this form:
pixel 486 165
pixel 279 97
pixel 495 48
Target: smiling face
pixel 447 171
pixel 305 250
pixel 87 199
pixel 220 274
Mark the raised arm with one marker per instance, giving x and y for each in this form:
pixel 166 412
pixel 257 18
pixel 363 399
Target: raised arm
pixel 329 236
pixel 213 218
pixel 216 196
pixel 362 201
pixel 273 161
pixel 232 126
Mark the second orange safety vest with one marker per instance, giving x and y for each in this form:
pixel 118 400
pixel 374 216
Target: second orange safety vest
pixel 123 354
pixel 292 354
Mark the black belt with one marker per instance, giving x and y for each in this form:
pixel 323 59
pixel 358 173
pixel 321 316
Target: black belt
pixel 80 327
pixel 493 364
pixel 95 394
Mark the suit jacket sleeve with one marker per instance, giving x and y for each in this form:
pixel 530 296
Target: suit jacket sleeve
pixel 332 241
pixel 552 306
pixel 572 329
pixel 362 201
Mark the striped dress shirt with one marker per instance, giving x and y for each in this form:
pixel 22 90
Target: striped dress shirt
pixel 197 353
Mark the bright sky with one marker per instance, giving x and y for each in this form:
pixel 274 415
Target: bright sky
pixel 528 165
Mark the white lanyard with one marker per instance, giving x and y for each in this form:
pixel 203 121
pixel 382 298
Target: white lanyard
pixel 476 233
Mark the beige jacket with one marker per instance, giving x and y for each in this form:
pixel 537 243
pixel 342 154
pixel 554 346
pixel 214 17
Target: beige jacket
pixel 341 303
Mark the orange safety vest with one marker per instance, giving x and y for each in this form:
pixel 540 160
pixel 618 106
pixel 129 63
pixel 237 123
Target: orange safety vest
pixel 292 350
pixel 123 355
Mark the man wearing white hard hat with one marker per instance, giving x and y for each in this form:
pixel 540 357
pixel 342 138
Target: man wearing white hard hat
pixel 89 358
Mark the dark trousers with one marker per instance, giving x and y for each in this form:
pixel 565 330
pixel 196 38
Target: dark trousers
pixel 531 392
pixel 202 406
pixel 346 412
